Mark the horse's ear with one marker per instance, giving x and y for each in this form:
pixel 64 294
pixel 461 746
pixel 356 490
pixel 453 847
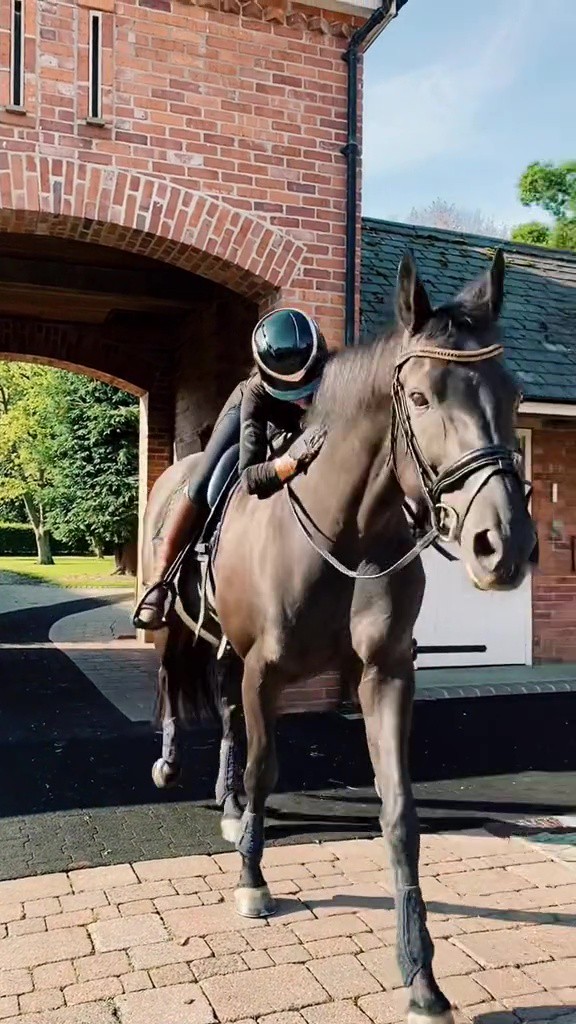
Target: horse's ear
pixel 486 295
pixel 413 308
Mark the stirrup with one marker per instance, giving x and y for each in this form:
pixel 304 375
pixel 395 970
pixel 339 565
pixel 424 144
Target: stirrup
pixel 143 602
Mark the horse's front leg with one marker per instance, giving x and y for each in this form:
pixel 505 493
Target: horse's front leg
pixel 229 785
pixel 253 897
pixel 386 695
pixel 166 771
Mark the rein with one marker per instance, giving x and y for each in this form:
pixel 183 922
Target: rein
pixel 444 520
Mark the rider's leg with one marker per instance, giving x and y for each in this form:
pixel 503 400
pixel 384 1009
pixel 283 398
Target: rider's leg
pixel 186 517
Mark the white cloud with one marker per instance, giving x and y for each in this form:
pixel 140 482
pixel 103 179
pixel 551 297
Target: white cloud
pixel 433 110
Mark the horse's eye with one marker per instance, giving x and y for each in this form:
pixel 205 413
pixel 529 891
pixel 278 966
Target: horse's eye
pixel 418 399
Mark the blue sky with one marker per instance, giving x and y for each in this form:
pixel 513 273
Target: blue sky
pixel 460 96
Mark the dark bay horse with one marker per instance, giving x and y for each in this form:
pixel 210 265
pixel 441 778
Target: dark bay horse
pixel 303 580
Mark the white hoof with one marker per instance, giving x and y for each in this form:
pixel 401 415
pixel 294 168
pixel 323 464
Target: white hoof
pixel 231 829
pixel 255 902
pixel 164 774
pixel 425 1018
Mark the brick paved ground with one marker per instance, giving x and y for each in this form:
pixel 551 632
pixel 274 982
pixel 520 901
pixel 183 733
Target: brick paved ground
pixel 158 942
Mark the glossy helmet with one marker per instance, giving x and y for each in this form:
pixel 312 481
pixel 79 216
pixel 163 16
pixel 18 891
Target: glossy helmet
pixel 290 352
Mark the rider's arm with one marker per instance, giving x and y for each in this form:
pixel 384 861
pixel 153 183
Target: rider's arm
pixel 260 476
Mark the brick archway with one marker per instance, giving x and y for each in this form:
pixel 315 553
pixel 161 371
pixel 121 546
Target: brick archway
pixel 113 207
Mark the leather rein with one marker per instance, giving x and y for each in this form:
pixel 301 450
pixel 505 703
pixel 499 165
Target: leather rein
pixel 445 523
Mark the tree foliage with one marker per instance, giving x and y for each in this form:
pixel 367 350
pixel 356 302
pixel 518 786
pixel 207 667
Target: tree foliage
pixel 95 477
pixel 441 214
pixel 552 188
pixel 69 452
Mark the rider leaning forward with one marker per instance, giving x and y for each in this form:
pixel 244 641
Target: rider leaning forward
pixel 290 354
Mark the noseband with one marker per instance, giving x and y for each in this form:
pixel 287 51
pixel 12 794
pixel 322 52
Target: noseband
pixel 496 459
pixel 445 523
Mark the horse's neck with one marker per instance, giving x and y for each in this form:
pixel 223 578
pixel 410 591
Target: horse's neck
pixel 351 489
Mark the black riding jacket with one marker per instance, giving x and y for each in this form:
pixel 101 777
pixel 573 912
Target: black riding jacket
pixel 265 423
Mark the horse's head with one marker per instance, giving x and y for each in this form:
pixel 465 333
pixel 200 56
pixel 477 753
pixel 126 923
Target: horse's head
pixel 455 443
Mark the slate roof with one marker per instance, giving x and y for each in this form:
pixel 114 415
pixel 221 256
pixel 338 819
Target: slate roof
pixel 539 314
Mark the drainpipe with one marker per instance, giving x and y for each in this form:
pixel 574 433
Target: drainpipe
pixel 362 38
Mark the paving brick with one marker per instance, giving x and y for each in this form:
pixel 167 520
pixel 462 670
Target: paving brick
pixel 548 873
pixel 385 1008
pixel 256 959
pixel 90 1013
pixel 46 947
pixel 71 920
pixel 554 939
pixel 492 1013
pixel 130 931
pixel 560 974
pixel 301 853
pixel 345 899
pixel 137 907
pixel 231 942
pixel 102 878
pixel 89 991
pixel 54 975
pixel 344 977
pixel 14 983
pixel 42 908
pixel 137 981
pixel 37 887
pixel 328 928
pixel 341 1012
pixel 478 883
pixel 83 900
pixel 462 990
pixel 160 953
pixel 366 941
pixel 259 992
pixel 222 917
pixel 140 891
pixel 8 1007
pixel 11 912
pixel 177 1004
pixel 176 902
pixel 337 946
pixel 171 974
pixel 177 867
pixel 43 999
pixel 290 1017
pixel 218 965
pixel 27 927
pixel 383 965
pixel 506 982
pixel 500 949
pixel 289 954
pixel 102 965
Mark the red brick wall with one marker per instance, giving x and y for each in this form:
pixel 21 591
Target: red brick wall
pixel 554 584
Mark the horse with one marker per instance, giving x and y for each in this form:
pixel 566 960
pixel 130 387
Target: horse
pixel 325 574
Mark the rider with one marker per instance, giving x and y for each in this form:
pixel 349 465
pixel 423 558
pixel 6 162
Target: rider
pixel 290 353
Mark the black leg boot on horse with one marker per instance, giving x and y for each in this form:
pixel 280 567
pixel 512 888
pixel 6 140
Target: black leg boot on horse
pixel 184 521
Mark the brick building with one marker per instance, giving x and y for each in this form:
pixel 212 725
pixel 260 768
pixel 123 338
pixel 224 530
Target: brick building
pixel 537 623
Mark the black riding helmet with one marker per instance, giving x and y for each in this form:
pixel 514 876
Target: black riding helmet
pixel 290 352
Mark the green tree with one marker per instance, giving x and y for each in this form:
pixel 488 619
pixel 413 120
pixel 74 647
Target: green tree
pixel 95 478
pixel 553 189
pixel 26 445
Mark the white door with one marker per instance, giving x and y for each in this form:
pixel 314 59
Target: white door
pixel 463 626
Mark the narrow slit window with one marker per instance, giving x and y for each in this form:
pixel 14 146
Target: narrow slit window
pixel 17 61
pixel 95 92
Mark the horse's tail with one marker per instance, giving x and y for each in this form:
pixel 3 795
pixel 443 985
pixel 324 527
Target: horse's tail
pixel 187 677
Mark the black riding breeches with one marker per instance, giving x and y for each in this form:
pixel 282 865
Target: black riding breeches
pixel 226 433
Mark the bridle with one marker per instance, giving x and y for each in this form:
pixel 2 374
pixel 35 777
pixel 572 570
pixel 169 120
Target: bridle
pixel 444 522
pixel 498 460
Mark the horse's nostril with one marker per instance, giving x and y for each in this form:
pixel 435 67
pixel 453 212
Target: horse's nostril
pixel 483 546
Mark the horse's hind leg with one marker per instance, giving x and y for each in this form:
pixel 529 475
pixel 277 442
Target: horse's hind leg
pixel 166 770
pixel 253 897
pixel 229 785
pixel 386 697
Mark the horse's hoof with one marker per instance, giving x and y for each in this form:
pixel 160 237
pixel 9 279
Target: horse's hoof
pixel 231 829
pixel 425 1018
pixel 164 774
pixel 255 902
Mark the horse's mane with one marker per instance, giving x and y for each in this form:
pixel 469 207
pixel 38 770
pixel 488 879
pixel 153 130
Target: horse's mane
pixel 356 379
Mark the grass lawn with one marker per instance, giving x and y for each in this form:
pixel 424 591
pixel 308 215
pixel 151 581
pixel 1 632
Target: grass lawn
pixel 68 571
